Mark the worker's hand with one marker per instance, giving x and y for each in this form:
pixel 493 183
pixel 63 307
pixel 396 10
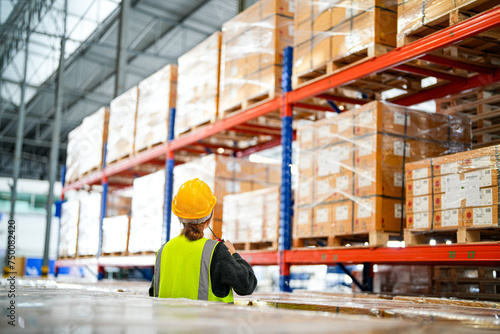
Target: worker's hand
pixel 230 246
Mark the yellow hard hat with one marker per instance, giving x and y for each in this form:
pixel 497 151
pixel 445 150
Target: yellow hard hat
pixel 194 200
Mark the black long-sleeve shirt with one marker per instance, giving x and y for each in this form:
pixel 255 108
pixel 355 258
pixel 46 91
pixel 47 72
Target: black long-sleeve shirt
pixel 227 271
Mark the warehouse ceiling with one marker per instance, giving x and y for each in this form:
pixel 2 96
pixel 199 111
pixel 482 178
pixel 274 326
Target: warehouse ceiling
pixel 158 33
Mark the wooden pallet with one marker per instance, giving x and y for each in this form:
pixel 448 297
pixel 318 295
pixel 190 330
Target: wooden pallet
pixel 334 66
pixel 120 159
pixel 197 126
pixel 142 253
pixel 247 103
pixel 93 170
pixel 461 235
pixel 263 245
pixel 115 254
pixel 149 147
pixel 373 238
pixel 85 256
pixel 449 18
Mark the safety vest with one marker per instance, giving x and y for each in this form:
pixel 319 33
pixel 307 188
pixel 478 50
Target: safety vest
pixel 182 270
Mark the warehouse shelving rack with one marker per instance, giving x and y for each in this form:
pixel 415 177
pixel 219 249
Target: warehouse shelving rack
pixel 395 60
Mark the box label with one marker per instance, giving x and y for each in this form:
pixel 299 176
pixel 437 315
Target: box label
pixel 233 187
pixel 421 204
pixel 398 179
pixel 421 173
pixel 327 162
pixel 322 187
pixel 486 197
pixel 233 166
pixel 343 152
pixel 342 212
pixel 321 216
pixel 421 220
pixel 344 124
pixel 481 162
pixel 342 182
pixel 306 136
pixel 482 216
pixel 366 117
pixel 364 209
pixel 421 187
pixel 324 132
pixel 449 218
pixel 291 29
pixel 291 6
pixel 449 168
pixel 365 147
pixel 400 119
pixel 483 176
pixel 398 210
pixel 304 189
pixel 400 148
pixel 303 218
pixel 365 179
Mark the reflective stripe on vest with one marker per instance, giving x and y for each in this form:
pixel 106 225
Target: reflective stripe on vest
pixel 179 282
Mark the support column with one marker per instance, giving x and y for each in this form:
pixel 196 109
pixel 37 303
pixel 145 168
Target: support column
pixel 19 134
pixel 169 179
pixel 368 276
pixel 54 147
pixel 122 55
pixel 285 230
pixel 59 215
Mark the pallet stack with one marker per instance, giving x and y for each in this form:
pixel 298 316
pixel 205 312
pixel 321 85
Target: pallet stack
pixel 456 194
pixel 251 219
pixel 86 145
pixel 88 224
pixel 198 88
pixel 351 170
pixel 68 229
pixel 332 34
pixel 115 234
pixel 157 94
pixel 122 117
pixel 419 18
pixel 252 53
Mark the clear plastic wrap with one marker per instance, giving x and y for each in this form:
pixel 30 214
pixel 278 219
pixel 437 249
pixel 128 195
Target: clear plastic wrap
pixel 115 234
pixel 146 224
pixel 86 145
pixel 252 216
pixel 69 228
pixel 252 53
pixel 455 190
pixel 224 176
pixel 416 14
pixel 88 226
pixel 351 166
pixel 121 130
pixel 118 205
pixel 157 94
pixel 328 31
pixel 198 87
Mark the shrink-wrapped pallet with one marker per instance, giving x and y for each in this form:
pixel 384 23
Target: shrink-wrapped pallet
pixel 198 87
pixel 252 216
pixel 88 226
pixel 115 234
pixel 157 94
pixel 351 167
pixel 118 205
pixel 331 34
pixel 252 53
pixel 453 191
pixel 146 224
pixel 121 130
pixel 68 230
pixel 86 145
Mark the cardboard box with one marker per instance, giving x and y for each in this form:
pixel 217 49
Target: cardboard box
pixel 305 137
pixel 378 214
pixel 447 219
pixel 342 218
pixel 334 159
pixel 333 188
pixel 418 204
pixel 322 220
pixel 304 192
pixel 419 187
pixel 326 132
pixel 302 223
pixel 480 216
pixel 418 170
pixel 420 220
pixel 306 164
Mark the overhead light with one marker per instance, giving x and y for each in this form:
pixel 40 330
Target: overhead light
pixel 220 150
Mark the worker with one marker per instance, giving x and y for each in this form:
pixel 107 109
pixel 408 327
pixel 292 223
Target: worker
pixel 191 266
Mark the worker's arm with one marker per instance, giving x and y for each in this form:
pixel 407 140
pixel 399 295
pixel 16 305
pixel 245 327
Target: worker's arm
pixel 231 270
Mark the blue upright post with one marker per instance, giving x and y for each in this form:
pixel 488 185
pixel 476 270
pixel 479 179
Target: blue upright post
pixel 59 214
pixel 286 175
pixel 104 198
pixel 169 182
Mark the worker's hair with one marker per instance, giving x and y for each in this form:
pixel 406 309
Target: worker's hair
pixel 193 231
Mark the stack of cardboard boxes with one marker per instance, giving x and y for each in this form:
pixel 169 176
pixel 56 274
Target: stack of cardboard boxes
pixel 198 88
pixel 252 216
pixel 330 30
pixel 351 167
pixel 454 190
pixel 157 94
pixel 252 53
pixel 68 229
pixel 86 145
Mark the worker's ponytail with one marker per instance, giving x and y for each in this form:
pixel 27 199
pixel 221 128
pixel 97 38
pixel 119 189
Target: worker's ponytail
pixel 193 231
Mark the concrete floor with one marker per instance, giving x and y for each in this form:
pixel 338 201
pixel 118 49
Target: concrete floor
pixel 44 306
